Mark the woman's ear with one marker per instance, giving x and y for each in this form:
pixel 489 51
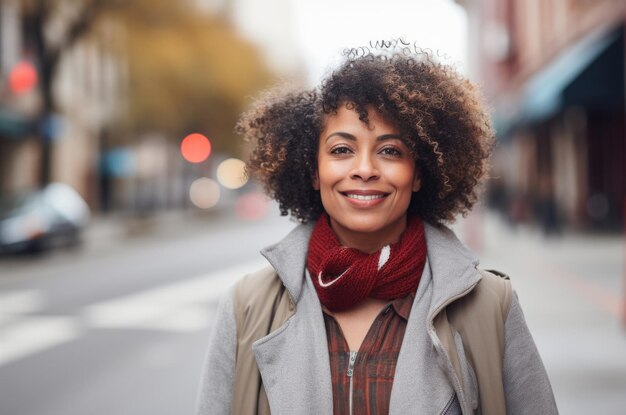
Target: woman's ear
pixel 417 181
pixel 316 181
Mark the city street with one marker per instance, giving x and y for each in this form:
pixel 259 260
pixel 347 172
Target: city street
pixel 133 121
pixel 120 325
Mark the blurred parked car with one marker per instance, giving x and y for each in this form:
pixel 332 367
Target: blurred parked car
pixel 41 219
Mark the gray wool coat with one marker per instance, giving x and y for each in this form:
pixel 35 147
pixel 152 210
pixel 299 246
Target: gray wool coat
pixel 294 362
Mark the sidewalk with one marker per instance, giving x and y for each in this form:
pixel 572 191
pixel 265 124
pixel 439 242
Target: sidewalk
pixel 572 291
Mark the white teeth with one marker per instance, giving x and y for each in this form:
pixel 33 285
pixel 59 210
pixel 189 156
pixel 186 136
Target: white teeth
pixel 365 197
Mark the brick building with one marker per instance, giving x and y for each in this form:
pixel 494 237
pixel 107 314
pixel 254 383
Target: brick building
pixel 553 72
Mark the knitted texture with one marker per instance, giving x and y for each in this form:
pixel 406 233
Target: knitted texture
pixel 343 277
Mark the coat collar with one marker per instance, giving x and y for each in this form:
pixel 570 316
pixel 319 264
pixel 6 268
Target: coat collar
pixel 452 264
pixel 288 257
pixel 299 347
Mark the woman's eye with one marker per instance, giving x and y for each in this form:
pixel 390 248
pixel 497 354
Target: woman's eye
pixel 340 150
pixel 391 151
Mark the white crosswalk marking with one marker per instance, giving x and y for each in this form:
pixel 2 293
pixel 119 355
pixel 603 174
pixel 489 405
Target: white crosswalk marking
pixel 159 307
pixel 35 334
pixel 183 306
pixel 22 301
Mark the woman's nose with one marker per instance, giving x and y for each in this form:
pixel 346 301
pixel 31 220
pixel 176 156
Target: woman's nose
pixel 364 168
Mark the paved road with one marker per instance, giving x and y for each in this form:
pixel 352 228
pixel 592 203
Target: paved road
pixel 120 326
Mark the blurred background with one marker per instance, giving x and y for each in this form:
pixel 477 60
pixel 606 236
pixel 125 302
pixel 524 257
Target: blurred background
pixel 125 213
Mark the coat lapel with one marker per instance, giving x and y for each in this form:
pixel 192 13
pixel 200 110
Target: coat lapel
pixel 419 385
pixel 294 362
pixel 425 381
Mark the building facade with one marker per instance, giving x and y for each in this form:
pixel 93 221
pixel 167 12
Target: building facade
pixel 87 91
pixel 553 72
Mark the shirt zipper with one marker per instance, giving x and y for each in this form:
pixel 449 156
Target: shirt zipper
pixel 351 376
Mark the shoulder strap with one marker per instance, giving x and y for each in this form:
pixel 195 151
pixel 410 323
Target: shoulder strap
pixel 479 319
pixel 261 304
pixel 501 286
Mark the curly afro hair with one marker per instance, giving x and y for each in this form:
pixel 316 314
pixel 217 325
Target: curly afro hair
pixel 447 128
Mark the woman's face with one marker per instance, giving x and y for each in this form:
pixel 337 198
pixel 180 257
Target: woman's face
pixel 366 176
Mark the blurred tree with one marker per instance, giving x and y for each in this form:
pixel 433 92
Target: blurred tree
pixel 52 28
pixel 189 72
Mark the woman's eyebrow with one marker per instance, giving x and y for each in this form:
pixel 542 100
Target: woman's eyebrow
pixel 351 137
pixel 341 134
pixel 389 137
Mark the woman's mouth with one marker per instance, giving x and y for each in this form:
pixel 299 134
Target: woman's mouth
pixel 364 198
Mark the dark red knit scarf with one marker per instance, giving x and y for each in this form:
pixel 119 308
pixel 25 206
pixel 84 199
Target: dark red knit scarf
pixel 343 277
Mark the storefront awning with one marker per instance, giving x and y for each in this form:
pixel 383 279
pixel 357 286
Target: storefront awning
pixel 543 94
pixel 588 74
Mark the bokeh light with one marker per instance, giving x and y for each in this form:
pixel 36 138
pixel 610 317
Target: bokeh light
pixel 23 78
pixel 195 148
pixel 231 173
pixel 251 206
pixel 204 193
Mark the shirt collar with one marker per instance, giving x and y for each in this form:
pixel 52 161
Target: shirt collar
pixel 402 306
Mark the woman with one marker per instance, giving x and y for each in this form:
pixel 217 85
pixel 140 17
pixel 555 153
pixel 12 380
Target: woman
pixel 372 305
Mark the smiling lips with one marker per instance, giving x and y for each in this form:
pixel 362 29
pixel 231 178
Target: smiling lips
pixel 364 198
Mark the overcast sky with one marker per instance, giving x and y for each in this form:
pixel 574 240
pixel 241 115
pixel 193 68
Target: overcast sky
pixel 325 27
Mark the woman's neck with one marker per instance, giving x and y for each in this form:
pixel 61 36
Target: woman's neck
pixel 369 242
